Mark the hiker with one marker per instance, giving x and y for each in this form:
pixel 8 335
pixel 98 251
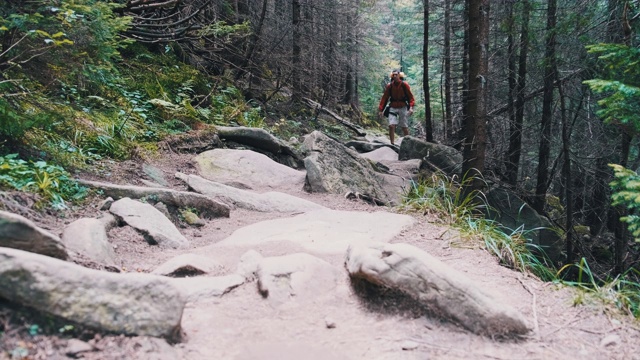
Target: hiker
pixel 401 103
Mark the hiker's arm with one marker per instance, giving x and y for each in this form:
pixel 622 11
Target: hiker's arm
pixel 384 99
pixel 412 101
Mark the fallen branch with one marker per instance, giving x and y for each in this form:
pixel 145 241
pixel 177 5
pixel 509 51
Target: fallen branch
pixel 317 106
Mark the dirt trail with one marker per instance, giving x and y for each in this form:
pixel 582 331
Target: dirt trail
pixel 373 325
pixel 356 321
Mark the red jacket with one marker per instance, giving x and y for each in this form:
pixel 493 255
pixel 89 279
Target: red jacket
pixel 398 95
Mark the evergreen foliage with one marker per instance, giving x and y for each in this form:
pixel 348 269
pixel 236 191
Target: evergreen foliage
pixel 626 187
pixel 619 81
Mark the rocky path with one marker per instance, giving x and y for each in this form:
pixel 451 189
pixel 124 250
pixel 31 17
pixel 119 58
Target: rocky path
pixel 269 281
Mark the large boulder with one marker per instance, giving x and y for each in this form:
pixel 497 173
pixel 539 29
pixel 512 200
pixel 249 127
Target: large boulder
pixel 442 157
pixel 334 168
pixel 154 225
pixel 441 288
pixel 136 304
pixel 18 232
pixel 513 214
pixel 260 139
pixel 252 169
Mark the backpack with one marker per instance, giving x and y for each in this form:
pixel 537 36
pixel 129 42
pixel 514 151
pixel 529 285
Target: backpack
pixel 404 90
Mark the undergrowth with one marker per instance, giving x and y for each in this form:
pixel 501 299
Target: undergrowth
pixel 442 198
pixel 50 181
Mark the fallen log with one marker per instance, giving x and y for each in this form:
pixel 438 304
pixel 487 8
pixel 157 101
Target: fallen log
pixel 206 206
pixel 317 106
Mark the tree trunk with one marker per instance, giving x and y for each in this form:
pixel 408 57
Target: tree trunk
pixel 547 109
pixel 465 78
pixel 511 80
pixel 475 126
pixel 566 176
pixel 515 131
pixel 349 81
pixel 448 121
pixel 296 56
pixel 425 74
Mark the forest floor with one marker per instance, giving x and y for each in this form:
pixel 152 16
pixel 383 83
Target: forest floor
pixel 242 324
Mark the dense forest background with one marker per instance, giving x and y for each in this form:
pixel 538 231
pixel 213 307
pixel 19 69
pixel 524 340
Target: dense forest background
pixel 541 96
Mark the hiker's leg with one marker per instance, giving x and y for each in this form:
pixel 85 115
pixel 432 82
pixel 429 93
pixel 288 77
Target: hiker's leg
pixel 403 121
pixel 393 121
pixel 392 132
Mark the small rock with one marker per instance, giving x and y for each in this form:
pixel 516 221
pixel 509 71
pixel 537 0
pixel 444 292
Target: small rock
pixel 330 323
pixel 191 218
pixel 75 347
pixel 106 203
pixel 409 345
pixel 610 340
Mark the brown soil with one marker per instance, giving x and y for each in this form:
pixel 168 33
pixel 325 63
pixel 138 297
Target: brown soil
pixel 370 323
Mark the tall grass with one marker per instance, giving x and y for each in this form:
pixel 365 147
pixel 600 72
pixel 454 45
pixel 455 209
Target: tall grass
pixel 443 196
pixel 619 292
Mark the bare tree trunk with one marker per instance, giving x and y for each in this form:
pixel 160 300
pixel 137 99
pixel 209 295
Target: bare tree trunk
pixel 515 136
pixel 428 126
pixel 465 77
pixel 512 81
pixel 547 109
pixel 349 81
pixel 296 56
pixel 447 70
pixel 566 176
pixel 475 127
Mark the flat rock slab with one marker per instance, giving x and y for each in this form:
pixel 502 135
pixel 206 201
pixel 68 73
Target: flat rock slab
pixel 323 231
pixel 384 153
pixel 267 202
pixel 207 287
pixel 187 265
pixel 89 237
pixel 247 167
pixel 137 304
pixel 18 232
pixel 155 227
pixel 299 277
pixel 441 288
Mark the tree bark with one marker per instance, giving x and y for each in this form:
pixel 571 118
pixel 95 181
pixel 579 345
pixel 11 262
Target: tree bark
pixel 566 177
pixel 425 74
pixel 296 56
pixel 475 127
pixel 515 131
pixel 547 109
pixel 448 121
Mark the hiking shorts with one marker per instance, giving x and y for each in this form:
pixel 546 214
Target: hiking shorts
pixel 398 116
